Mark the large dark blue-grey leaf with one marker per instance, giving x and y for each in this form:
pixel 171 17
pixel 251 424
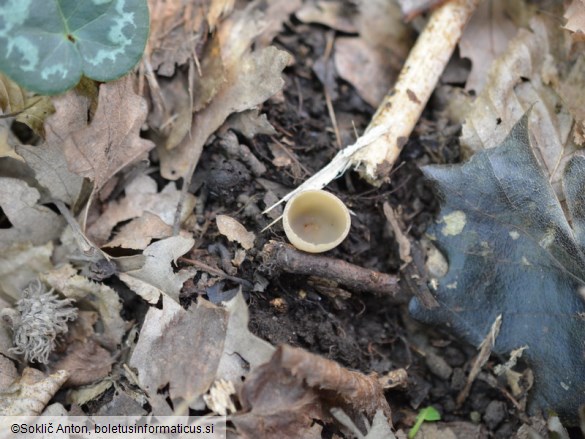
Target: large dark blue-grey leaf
pixel 512 251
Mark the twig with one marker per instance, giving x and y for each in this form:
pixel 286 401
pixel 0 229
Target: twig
pixel 216 272
pixel 402 107
pixel 356 278
pixel 485 350
pixel 375 152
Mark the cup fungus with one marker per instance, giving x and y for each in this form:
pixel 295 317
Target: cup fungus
pixel 316 221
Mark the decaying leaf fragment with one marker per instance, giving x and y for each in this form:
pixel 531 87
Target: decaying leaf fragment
pixel 517 255
pixel 30 394
pixel 286 394
pixel 234 231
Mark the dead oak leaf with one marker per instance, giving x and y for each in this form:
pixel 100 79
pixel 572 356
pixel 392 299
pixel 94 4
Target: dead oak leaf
pixel 112 139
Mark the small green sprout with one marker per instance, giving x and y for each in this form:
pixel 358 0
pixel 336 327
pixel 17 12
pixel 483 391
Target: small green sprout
pixel 427 414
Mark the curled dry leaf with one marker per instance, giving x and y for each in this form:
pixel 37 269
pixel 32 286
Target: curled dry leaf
pixel 30 110
pixel 234 231
pixel 29 395
pixel 138 233
pixel 112 139
pixel 295 387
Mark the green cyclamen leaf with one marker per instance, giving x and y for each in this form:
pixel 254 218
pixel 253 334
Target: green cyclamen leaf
pixel 513 250
pixel 47 45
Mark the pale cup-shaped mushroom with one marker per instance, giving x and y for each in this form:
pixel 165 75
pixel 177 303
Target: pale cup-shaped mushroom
pixel 316 221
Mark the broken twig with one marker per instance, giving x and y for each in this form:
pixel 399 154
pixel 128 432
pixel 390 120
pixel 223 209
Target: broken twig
pixel 355 278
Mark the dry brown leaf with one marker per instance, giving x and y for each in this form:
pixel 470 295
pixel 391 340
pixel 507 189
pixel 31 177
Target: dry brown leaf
pixel 112 140
pixel 176 29
pixel 251 78
pixel 157 277
pixel 412 8
pixel 367 68
pixel 8 142
pixel 486 37
pixel 380 24
pixel 12 96
pixel 30 222
pixel 249 123
pixel 213 75
pixel 525 77
pixel 575 15
pixel 180 348
pixel 8 372
pixel 217 10
pixel 234 231
pixel 141 196
pixel 83 358
pixel 21 264
pixel 86 362
pixel 336 15
pixel 242 349
pixel 29 109
pixel 275 14
pixel 295 387
pixel 571 93
pixel 371 62
pixel 138 233
pixel 29 395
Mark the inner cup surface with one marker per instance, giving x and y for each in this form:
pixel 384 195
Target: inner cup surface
pixel 317 219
